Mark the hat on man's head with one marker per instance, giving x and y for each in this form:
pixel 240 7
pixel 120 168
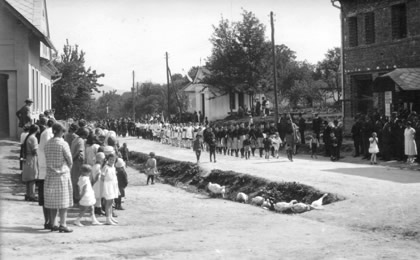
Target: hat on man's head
pixel 29 100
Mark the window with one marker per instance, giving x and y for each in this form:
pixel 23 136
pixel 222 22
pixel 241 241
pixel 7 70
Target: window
pixel 370 28
pixel 33 84
pixel 399 21
pixel 36 98
pixel 232 100
pixel 42 106
pixel 353 39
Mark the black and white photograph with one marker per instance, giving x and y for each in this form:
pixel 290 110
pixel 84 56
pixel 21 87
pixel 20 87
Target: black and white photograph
pixel 224 129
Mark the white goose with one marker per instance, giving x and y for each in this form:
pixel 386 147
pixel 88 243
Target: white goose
pixel 300 207
pixel 242 197
pixel 257 200
pixel 283 206
pixel 217 189
pixel 317 204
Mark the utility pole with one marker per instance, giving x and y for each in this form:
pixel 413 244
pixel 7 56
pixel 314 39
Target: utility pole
pixel 167 82
pixel 132 89
pixel 276 110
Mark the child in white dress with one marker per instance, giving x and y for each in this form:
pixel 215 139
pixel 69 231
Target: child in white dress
pixel 373 148
pixel 95 180
pixel 87 196
pixel 109 187
pixel 276 142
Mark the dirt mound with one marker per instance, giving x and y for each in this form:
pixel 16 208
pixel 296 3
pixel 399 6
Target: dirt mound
pixel 189 176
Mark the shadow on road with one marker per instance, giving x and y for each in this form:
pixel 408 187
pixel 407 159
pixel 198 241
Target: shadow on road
pixel 29 230
pixel 8 143
pixel 11 183
pixel 380 173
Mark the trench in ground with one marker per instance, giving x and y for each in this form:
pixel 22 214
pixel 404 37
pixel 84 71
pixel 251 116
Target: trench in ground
pixel 190 176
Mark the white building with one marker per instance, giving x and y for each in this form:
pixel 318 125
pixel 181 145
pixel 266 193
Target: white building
pixel 25 60
pixel 205 98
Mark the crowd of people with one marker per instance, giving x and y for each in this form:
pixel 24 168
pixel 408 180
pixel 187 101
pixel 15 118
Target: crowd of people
pixel 74 164
pixel 83 164
pixel 397 137
pixel 374 136
pixel 264 139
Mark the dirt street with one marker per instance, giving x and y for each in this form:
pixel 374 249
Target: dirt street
pixel 378 220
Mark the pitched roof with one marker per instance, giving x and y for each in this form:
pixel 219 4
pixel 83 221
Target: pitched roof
pixel 202 72
pixel 30 13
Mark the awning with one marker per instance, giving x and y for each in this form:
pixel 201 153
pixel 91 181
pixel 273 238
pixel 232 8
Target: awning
pixel 407 79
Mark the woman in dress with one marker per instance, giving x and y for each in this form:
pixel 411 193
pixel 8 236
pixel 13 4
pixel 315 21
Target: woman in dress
pixel 58 190
pixel 30 166
pixel 78 153
pixel 410 147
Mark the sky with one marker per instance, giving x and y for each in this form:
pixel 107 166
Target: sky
pixel 123 36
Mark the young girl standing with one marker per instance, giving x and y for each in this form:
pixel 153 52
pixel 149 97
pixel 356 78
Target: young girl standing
pixel 95 180
pixel 197 147
pixel 151 168
pixel 109 187
pixel 87 196
pixel 373 148
pixel 276 141
pixel 313 145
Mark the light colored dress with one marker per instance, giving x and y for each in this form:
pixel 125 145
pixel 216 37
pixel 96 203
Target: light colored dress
pixel 58 190
pixel 46 135
pixel 91 151
pixel 410 147
pixel 30 166
pixel 110 185
pixel 96 171
pixel 88 198
pixel 275 142
pixel 373 147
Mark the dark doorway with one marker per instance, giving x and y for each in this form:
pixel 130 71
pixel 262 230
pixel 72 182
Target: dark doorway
pixel 4 106
pixel 364 93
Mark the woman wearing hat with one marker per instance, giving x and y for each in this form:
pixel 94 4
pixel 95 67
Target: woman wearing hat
pixel 25 113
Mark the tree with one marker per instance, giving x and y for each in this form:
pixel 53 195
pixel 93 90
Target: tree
pixel 71 95
pixel 178 82
pixel 328 70
pixel 109 105
pixel 303 89
pixel 237 55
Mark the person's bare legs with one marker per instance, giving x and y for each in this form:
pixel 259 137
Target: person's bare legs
pixel 63 217
pixel 53 216
pixel 108 211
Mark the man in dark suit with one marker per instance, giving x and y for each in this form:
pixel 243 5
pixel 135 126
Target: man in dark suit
pixel 25 113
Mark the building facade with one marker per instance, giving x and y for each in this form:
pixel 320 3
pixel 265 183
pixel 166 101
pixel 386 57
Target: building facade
pixel 381 48
pixel 26 67
pixel 204 98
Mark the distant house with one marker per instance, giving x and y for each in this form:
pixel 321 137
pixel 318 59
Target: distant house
pixel 205 98
pixel 381 53
pixel 25 60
